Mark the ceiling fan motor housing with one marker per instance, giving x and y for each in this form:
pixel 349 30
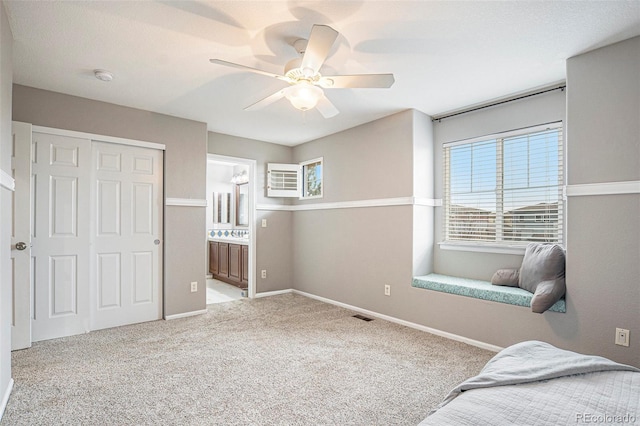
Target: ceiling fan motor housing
pixel 294 71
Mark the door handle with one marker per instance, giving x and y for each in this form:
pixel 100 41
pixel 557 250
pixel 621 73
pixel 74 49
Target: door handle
pixel 21 246
pixel 156 242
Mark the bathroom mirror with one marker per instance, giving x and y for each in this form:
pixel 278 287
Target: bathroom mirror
pixel 242 205
pixel 221 207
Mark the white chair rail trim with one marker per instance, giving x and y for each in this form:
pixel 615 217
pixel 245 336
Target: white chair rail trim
pixel 378 202
pixel 186 202
pixel 604 188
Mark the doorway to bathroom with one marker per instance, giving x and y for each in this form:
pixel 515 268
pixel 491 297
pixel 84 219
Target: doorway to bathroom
pixel 230 228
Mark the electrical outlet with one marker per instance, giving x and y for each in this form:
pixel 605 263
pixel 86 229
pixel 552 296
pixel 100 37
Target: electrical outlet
pixel 194 286
pixel 387 290
pixel 622 337
pixel 263 273
pixel 264 223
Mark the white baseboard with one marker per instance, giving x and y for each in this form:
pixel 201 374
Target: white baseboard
pixel 5 398
pixel 440 333
pixel 185 314
pixel 409 324
pixel 272 293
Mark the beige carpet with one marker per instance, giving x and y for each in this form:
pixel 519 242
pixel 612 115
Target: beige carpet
pixel 281 360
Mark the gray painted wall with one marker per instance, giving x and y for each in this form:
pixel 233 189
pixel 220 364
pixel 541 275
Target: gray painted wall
pixel 603 241
pixel 370 161
pixel 273 243
pixel 348 255
pixel 184 175
pixel 6 279
pixel 603 112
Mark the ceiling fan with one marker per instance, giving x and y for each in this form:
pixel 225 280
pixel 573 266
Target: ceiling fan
pixel 305 81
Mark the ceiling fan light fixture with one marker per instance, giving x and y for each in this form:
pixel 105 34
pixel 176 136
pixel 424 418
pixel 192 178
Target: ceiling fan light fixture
pixel 304 95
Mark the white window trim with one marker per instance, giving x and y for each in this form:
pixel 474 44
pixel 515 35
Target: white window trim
pixel 496 247
pixel 507 134
pixel 517 249
pixel 302 179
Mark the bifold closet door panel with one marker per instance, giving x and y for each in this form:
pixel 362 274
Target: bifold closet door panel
pixel 127 234
pixel 61 241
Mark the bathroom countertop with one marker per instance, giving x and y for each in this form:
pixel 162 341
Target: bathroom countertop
pixel 230 240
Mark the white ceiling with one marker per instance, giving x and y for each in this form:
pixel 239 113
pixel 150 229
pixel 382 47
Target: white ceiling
pixel 444 55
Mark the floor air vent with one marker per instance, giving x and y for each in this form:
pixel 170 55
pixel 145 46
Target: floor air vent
pixel 362 317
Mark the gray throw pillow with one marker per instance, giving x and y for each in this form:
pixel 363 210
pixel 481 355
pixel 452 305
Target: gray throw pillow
pixel 542 273
pixel 507 277
pixel 547 293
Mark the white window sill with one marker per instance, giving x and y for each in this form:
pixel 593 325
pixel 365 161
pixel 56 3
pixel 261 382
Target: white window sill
pixel 312 197
pixel 517 249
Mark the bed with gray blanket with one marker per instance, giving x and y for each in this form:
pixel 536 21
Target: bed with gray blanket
pixel 535 383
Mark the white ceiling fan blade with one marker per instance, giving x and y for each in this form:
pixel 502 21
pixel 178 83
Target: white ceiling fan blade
pixel 245 68
pixel 267 101
pixel 320 41
pixel 326 108
pixel 362 81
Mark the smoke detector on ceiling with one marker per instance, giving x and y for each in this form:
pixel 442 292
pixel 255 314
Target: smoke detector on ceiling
pixel 103 75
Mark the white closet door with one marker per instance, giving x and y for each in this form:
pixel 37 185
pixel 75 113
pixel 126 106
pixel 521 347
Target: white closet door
pixel 61 239
pixel 21 237
pixel 127 234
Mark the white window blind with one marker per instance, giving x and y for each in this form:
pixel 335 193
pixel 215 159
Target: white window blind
pixel 283 180
pixel 507 188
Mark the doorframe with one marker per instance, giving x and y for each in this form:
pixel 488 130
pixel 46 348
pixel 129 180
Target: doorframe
pixel 97 137
pixel 22 298
pixel 253 197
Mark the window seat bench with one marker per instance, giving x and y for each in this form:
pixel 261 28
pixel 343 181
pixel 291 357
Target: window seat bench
pixel 480 290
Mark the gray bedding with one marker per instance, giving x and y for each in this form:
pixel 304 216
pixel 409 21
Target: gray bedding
pixel 534 383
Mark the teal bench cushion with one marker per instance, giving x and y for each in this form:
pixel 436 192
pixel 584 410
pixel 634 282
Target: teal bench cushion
pixel 479 289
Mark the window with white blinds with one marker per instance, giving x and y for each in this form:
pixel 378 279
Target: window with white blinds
pixel 506 189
